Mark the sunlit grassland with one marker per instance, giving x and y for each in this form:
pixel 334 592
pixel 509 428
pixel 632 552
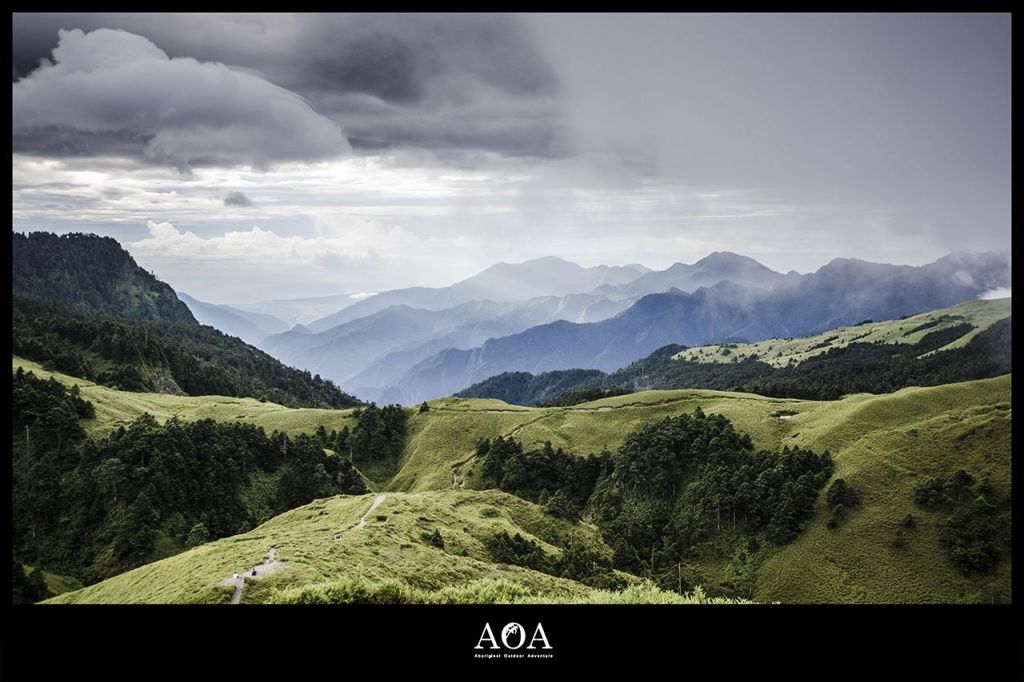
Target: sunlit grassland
pixel 779 352
pixel 114 407
pixel 319 544
pixel 883 445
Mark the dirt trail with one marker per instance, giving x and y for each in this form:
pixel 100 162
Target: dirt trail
pixel 376 501
pixel 362 521
pixel 269 565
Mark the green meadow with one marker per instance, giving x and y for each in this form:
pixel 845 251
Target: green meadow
pixel 780 352
pixel 327 557
pixel 882 445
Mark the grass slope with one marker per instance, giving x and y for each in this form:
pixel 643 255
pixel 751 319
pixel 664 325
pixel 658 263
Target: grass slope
pixel 779 352
pixel 319 544
pixel 881 444
pixel 115 407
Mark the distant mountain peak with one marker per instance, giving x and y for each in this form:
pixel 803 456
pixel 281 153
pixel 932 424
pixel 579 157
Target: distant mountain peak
pixel 728 258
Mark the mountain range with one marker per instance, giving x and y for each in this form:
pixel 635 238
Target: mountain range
pixel 248 326
pixel 502 282
pixel 845 291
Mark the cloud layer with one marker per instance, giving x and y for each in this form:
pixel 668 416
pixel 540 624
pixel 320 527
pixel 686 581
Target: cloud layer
pixel 446 82
pixel 794 139
pixel 113 87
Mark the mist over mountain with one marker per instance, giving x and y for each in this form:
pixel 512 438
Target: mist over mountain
pixel 301 311
pixel 549 276
pixel 382 346
pixel 717 267
pixel 845 291
pixel 248 326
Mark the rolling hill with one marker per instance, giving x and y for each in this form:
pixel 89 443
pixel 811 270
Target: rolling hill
pixel 323 550
pixel 882 445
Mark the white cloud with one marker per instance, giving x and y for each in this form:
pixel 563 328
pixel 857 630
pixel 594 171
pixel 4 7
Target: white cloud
pixel 998 292
pixel 118 90
pixel 358 240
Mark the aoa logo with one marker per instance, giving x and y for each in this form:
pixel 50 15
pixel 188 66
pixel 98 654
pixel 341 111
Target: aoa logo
pixel 513 638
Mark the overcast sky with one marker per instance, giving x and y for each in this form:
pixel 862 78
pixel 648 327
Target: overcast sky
pixel 249 157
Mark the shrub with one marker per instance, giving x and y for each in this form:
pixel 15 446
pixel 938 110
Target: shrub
pixel 434 539
pixel 899 540
pixel 969 537
pixel 841 494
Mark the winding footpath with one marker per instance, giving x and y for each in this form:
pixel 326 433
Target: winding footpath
pixel 376 501
pixel 269 565
pixel 362 522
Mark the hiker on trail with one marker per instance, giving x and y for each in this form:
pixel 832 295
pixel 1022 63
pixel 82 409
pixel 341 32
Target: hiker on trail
pixel 254 571
pixel 236 576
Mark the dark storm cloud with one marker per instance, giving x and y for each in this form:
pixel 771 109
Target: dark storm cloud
pixel 237 199
pixel 452 81
pixel 111 90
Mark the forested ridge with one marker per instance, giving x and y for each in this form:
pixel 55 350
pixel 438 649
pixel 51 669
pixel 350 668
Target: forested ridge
pixel 91 272
pixel 160 357
pixel 855 368
pixel 82 306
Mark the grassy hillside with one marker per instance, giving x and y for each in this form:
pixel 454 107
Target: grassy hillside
pixel 322 549
pixel 882 445
pixel 780 352
pixel 115 407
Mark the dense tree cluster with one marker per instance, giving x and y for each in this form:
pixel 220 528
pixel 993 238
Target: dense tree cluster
pixel 673 489
pixel 576 396
pixel 160 356
pixel 971 536
pixel 378 436
pixel 684 481
pixel 978 523
pixel 540 473
pixel 856 368
pixel 95 507
pixel 936 492
pixel 91 272
pixel 523 388
pixel 840 497
pixel 578 561
pixel 27 587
